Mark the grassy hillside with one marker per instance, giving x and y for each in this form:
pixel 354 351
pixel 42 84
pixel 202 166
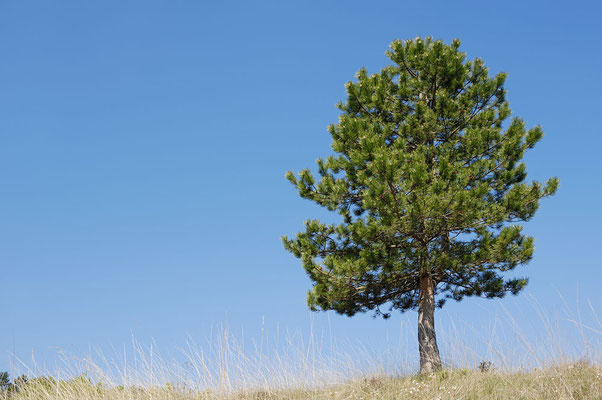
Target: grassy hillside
pixel 557 363
pixel 571 381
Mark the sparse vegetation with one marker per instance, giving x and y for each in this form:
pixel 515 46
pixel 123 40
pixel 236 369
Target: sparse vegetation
pixel 557 365
pixel 571 381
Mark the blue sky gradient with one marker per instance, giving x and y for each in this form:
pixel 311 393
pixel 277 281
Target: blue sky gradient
pixel 143 146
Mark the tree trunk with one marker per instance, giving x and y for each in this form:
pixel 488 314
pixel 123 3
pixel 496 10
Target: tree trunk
pixel 427 341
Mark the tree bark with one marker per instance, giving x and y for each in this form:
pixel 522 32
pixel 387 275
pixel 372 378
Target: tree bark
pixel 427 340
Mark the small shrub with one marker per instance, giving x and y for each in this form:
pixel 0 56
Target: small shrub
pixel 485 366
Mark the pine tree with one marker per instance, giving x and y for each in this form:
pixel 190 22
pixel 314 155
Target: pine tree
pixel 428 179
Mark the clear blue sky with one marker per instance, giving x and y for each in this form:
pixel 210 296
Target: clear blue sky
pixel 143 147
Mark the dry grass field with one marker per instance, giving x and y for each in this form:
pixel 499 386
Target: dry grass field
pixel 571 381
pixel 558 365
